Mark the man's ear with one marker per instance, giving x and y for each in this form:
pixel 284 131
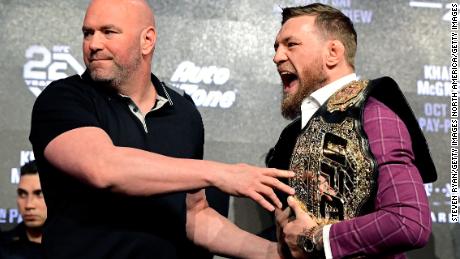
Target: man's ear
pixel 335 53
pixel 148 40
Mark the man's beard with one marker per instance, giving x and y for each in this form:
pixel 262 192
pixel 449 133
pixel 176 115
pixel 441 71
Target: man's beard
pixel 312 79
pixel 118 73
pixel 112 79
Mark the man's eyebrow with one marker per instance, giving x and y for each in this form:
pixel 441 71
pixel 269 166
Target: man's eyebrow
pixel 283 40
pixel 109 26
pixel 85 28
pixel 37 191
pixel 104 27
pixel 20 190
pixel 288 38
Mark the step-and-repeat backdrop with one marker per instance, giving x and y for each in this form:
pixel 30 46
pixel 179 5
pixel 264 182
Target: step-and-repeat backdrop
pixel 220 52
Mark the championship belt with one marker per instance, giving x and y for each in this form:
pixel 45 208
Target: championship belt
pixel 335 172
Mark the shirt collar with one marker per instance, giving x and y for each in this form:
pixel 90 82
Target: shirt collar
pixel 319 97
pixel 162 96
pixel 160 88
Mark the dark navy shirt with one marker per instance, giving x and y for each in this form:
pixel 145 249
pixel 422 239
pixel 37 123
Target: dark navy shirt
pixel 85 222
pixel 15 244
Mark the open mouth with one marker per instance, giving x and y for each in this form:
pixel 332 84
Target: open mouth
pixel 289 79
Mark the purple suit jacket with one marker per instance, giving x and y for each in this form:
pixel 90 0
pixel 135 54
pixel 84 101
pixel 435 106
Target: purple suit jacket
pixel 401 218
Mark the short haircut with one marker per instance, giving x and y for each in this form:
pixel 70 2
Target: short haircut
pixel 332 23
pixel 29 168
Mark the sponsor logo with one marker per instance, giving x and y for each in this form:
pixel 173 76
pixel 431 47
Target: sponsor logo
pixel 44 66
pixel 196 81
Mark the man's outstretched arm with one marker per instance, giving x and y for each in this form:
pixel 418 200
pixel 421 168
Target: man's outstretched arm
pixel 137 172
pixel 207 228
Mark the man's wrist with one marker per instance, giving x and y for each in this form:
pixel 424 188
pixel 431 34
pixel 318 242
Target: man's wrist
pixel 311 241
pixel 318 238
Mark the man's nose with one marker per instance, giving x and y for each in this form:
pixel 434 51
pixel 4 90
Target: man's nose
pixel 280 56
pixel 30 202
pixel 96 42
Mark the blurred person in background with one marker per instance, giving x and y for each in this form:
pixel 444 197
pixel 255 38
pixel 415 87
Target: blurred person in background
pixel 24 241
